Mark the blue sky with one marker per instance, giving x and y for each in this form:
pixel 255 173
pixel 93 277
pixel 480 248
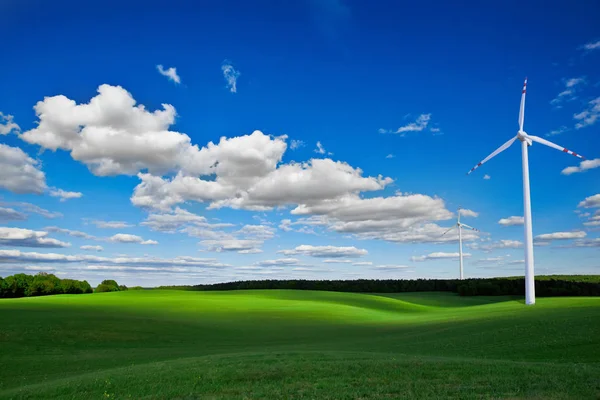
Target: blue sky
pixel 341 135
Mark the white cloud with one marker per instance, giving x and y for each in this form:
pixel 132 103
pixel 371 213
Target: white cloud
pixel 510 221
pixel 170 73
pixel 320 149
pixel 111 224
pixel 561 235
pixel 586 243
pixel 390 156
pixel 420 124
pixel 491 260
pixel 182 261
pixel 325 251
pixel 231 75
pixel 501 244
pixel 468 213
pixel 590 202
pixel 64 195
pixel 487 177
pixel 438 256
pixel 390 267
pixel 9 214
pixel 92 248
pixel 243 246
pixel 336 261
pixel 583 166
pixel 591 45
pixel 20 173
pixel 296 144
pixel 28 238
pixel 8 125
pixel 111 134
pixel 558 131
pixel 589 116
pixel 278 262
pixel 568 93
pixel 32 208
pixel 128 238
pixel 171 221
pixel 263 232
pixel 70 232
pixel 363 263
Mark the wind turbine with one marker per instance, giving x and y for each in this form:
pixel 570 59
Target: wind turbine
pixel 526 141
pixel 460 225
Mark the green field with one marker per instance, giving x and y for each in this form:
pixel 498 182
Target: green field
pixel 297 344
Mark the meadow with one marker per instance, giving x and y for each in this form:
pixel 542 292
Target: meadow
pixel 288 344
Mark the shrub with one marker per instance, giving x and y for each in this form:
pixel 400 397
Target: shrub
pixel 102 288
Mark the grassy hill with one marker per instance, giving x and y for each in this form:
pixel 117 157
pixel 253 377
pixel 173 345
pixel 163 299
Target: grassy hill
pixel 289 344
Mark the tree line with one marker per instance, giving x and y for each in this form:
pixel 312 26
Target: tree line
pixel 546 286
pixel 44 284
pixel 41 284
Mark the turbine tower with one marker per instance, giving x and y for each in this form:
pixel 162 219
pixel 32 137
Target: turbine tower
pixel 526 141
pixel 460 226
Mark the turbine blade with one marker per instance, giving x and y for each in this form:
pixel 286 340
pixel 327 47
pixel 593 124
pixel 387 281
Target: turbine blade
pixel 495 153
pixel 469 227
pixel 555 146
pixel 522 109
pixel 452 227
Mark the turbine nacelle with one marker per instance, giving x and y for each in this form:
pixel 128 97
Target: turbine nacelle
pixel 522 136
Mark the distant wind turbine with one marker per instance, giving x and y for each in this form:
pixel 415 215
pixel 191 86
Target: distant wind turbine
pixel 460 226
pixel 526 140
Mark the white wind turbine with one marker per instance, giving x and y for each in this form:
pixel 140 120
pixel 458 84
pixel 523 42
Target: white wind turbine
pixel 526 141
pixel 460 226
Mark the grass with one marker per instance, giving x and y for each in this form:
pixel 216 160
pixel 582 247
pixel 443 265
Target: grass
pixel 297 345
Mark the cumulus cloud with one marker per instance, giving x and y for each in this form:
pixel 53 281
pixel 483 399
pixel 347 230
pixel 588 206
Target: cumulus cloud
pixel 487 177
pixel 390 267
pixel 589 116
pixel 325 251
pixel 9 214
pixel 510 221
pixel 92 248
pixel 417 126
pixel 590 202
pixel 438 256
pixel 8 125
pixel 562 235
pixel 336 261
pixel 468 213
pixel 20 173
pixel 64 195
pixel 583 166
pixel 113 135
pixel 390 156
pixel 28 238
pixel 231 75
pixel 170 73
pixel 128 238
